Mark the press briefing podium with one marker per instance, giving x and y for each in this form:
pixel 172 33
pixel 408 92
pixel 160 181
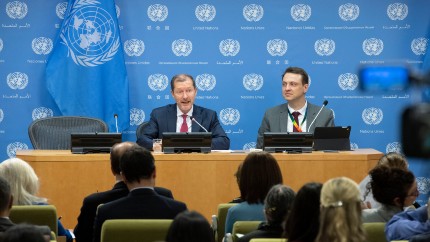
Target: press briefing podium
pixel 200 180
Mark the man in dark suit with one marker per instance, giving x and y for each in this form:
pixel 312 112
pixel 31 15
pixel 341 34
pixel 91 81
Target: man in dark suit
pixel 177 117
pixel 138 172
pixel 297 114
pixel 6 200
pixel 84 229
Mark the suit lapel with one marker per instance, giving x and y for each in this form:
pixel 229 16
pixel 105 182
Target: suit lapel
pixel 283 118
pixel 197 114
pixel 171 118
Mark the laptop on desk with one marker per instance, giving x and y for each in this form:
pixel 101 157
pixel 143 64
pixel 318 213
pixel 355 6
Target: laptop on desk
pixel 332 138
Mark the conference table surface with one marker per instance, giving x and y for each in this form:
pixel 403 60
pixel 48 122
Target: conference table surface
pixel 202 181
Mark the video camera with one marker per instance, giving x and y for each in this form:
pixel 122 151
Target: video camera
pixel 415 127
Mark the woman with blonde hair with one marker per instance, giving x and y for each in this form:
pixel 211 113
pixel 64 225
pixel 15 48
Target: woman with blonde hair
pixel 24 185
pixel 340 216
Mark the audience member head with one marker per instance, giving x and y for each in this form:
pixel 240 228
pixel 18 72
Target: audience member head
pixel 137 164
pixel 190 226
pixel 23 181
pixel 25 233
pixel 278 203
pixel 393 186
pixel 260 171
pixel 340 215
pixel 394 160
pixel 116 152
pixel 184 91
pixel 6 198
pixel 302 223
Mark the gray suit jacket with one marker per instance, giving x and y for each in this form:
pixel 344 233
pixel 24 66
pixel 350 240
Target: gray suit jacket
pixel 276 120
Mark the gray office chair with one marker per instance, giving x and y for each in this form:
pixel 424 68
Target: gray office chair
pixel 53 133
pixel 140 128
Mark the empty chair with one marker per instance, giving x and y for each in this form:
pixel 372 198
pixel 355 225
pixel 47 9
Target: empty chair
pixel 241 228
pixel 142 230
pixel 35 214
pixel 139 129
pixel 375 232
pixel 218 223
pixel 53 133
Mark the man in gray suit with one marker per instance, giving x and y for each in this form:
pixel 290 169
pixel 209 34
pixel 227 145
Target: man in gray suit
pixel 297 115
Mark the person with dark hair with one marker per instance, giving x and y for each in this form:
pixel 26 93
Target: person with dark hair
pixel 6 201
pixel 190 226
pixel 84 229
pixel 302 222
pixel 394 188
pixel 297 115
pixel 260 171
pixel 178 117
pixel 26 233
pixel 138 172
pixel 277 205
pixel 237 176
pixel 412 225
pixel 391 159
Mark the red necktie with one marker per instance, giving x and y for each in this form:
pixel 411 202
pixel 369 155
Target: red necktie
pixel 296 118
pixel 184 126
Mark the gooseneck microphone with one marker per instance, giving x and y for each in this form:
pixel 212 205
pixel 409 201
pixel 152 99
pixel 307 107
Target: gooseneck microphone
pixel 195 121
pixel 324 104
pixel 116 122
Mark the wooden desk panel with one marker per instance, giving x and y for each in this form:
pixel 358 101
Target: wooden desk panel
pixel 202 181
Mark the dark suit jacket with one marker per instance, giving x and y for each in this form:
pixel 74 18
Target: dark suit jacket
pixel 163 119
pixel 5 224
pixel 276 120
pixel 84 229
pixel 142 203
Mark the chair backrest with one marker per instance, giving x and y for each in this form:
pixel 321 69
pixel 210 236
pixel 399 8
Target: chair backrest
pixel 244 227
pixel 375 232
pixel 222 215
pixel 35 214
pixel 269 240
pixel 142 230
pixel 140 128
pixel 53 133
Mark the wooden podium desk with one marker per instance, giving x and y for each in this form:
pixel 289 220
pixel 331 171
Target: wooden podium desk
pixel 202 181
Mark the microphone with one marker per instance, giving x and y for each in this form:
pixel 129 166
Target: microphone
pixel 324 104
pixel 195 121
pixel 116 121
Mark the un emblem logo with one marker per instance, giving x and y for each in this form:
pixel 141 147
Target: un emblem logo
pixel 277 47
pixel 134 47
pixel 354 146
pixel 1 115
pixel 42 45
pixel 394 147
pixel 157 12
pixel 253 12
pixel 229 47
pixel 137 116
pixel 301 12
pixel 372 116
pixel 13 147
pixel 229 116
pixel 182 47
pixel 324 47
pixel 423 184
pixel 205 12
pixel 90 34
pixel 248 146
pixel 1 44
pixel 397 11
pixel 347 81
pixel 16 10
pixel 253 82
pixel 41 112
pixel 158 82
pixel 17 80
pixel 206 82
pixel 60 9
pixel 373 46
pixel 419 46
pixel 349 12
pixel 118 11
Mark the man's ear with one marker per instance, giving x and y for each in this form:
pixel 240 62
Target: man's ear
pixel 10 202
pixel 123 177
pixel 154 173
